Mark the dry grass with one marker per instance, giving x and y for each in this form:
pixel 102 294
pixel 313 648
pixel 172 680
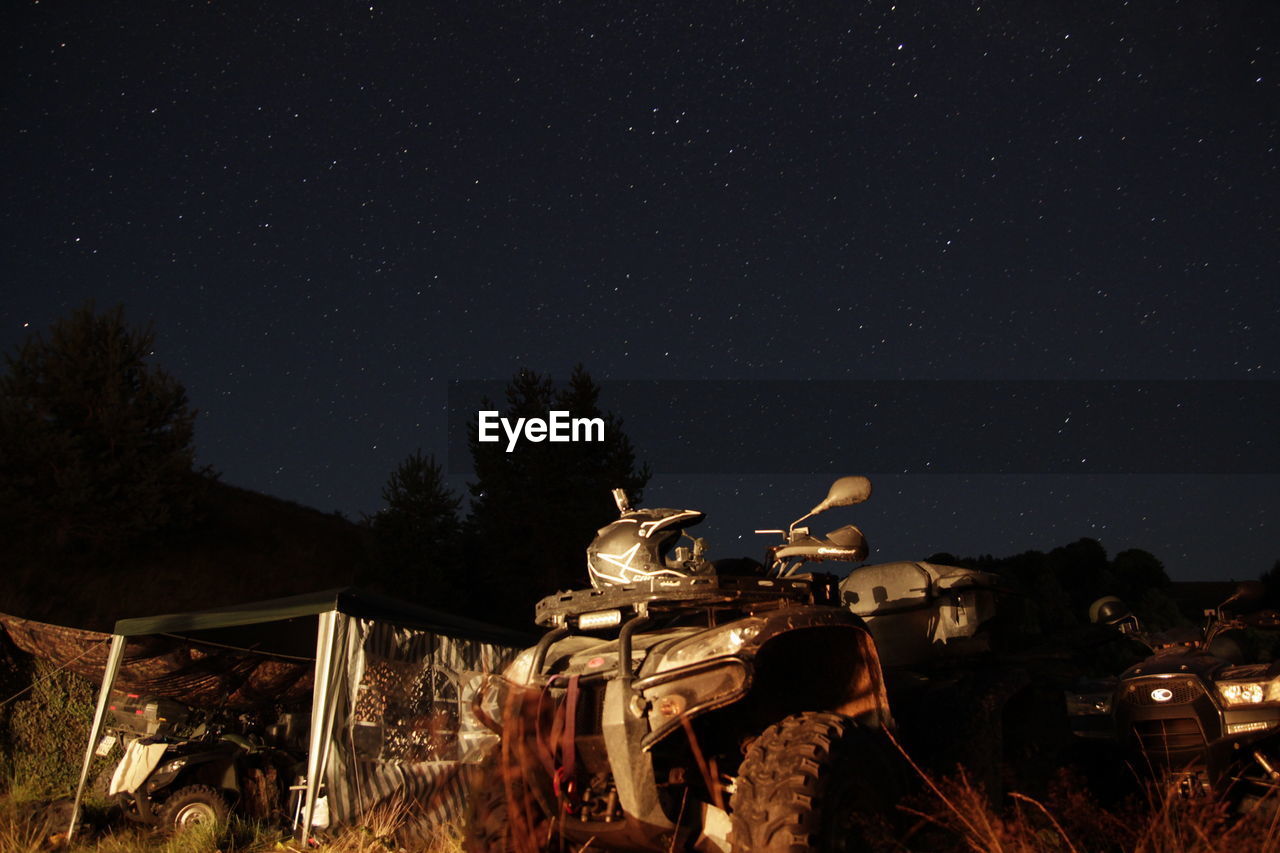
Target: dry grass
pixel 950 815
pixel 954 814
pixel 26 828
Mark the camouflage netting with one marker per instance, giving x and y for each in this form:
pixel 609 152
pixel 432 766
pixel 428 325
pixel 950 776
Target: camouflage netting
pixel 194 673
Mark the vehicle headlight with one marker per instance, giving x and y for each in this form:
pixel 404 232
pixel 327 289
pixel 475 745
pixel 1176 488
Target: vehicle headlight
pixel 1084 704
pixel 717 642
pixel 520 670
pixel 1248 692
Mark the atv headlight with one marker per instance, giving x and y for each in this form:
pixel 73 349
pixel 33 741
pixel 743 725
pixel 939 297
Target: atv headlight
pixel 520 670
pixel 717 642
pixel 1248 692
pixel 1086 704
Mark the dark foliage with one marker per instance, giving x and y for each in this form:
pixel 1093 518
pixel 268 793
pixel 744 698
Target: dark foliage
pixel 535 509
pixel 96 444
pixel 44 733
pixel 414 543
pixel 1051 593
pixel 245 546
pixel 1271 582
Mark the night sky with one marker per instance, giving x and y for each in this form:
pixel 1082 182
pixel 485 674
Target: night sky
pixel 330 211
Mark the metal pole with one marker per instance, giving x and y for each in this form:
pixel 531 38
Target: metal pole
pixel 321 716
pixel 114 656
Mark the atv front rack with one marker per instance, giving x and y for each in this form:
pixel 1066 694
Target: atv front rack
pixel 664 595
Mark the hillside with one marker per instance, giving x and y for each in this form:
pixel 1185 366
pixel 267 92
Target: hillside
pixel 247 546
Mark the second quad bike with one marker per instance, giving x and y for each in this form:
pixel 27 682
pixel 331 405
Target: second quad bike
pixel 681 704
pixel 1198 710
pixel 174 782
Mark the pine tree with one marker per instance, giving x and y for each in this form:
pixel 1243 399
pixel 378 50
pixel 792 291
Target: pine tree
pixel 1271 582
pixel 96 445
pixel 535 509
pixel 414 545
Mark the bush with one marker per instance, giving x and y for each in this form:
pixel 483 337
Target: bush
pixel 45 740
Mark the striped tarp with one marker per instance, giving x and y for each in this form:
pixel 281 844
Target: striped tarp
pixel 406 728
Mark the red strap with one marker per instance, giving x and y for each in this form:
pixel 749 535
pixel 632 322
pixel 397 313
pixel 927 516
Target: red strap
pixel 545 742
pixel 568 752
pixel 564 744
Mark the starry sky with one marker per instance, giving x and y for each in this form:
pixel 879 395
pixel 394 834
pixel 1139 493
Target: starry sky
pixel 331 211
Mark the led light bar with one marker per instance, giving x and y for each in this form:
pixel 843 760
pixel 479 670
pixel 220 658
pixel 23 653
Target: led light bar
pixel 599 619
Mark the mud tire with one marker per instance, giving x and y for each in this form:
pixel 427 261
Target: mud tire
pixel 815 782
pixel 191 806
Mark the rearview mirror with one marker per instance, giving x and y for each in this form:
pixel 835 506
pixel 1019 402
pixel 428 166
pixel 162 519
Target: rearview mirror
pixel 1247 594
pixel 845 492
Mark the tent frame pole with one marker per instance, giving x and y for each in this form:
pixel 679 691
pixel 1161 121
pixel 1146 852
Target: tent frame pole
pixel 321 717
pixel 114 656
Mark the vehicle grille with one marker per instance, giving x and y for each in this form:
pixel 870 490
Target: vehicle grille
pixel 1184 690
pixel 1172 739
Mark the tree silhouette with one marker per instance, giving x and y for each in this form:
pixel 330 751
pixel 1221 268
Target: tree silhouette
pixel 535 509
pixel 414 540
pixel 1135 571
pixel 95 444
pixel 1271 581
pixel 1082 570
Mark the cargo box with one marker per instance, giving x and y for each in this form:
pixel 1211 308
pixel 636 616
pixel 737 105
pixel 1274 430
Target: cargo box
pixel 142 716
pixel 920 612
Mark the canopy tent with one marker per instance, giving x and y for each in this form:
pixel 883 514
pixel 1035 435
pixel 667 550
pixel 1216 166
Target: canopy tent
pixel 390 684
pixel 195 673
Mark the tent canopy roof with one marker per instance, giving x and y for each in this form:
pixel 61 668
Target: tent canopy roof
pixel 353 602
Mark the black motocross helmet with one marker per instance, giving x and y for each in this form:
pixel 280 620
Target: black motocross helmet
pixel 1110 610
pixel 637 547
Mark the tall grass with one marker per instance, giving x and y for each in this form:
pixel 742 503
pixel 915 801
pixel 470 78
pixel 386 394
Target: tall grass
pixel 951 813
pixel 954 814
pixel 26 828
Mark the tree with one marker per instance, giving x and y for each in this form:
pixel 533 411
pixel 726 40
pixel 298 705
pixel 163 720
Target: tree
pixel 1135 571
pixel 535 509
pixel 1271 581
pixel 414 544
pixel 95 444
pixel 1082 570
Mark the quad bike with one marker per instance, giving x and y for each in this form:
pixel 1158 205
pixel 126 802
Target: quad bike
pixel 1197 711
pixel 676 706
pixel 173 782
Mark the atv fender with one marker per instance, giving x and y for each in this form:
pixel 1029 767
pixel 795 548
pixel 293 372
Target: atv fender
pixel 623 730
pixel 215 769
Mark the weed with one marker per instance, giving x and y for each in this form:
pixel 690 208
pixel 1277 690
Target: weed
pixel 46 738
pixel 954 814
